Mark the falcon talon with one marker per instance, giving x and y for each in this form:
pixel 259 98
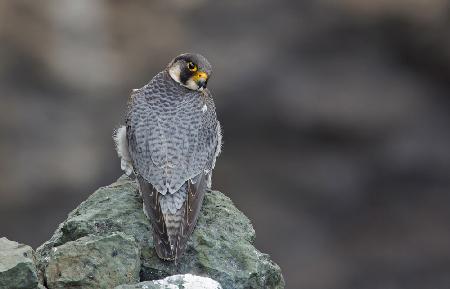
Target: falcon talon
pixel 147 145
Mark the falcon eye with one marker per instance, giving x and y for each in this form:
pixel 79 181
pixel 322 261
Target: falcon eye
pixel 192 66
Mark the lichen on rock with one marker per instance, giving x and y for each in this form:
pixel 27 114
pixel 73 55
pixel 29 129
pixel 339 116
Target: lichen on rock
pixel 221 246
pixel 17 269
pixel 93 262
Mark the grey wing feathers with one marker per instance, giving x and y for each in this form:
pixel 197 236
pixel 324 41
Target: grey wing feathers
pixel 196 193
pixel 171 139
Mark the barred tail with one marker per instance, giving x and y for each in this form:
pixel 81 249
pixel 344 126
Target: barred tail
pixel 171 231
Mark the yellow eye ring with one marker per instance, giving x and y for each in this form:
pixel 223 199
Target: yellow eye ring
pixel 192 66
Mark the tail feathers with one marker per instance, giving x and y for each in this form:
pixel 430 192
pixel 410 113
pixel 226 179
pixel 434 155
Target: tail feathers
pixel 172 230
pixel 168 245
pixel 173 224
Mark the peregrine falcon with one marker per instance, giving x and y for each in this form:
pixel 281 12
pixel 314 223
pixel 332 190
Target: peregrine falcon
pixel 170 142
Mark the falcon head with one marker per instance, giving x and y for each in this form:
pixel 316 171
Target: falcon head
pixel 190 70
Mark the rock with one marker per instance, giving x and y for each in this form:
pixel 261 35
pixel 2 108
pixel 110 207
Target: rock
pixel 221 246
pixel 94 262
pixel 187 281
pixel 17 269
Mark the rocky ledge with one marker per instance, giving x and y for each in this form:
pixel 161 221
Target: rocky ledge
pixel 106 242
pixel 17 267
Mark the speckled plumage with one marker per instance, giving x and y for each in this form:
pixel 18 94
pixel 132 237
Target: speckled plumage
pixel 173 139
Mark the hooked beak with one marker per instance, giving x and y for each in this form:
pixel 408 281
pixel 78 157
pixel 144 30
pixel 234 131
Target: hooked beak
pixel 201 79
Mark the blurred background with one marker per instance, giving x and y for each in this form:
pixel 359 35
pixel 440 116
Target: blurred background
pixel 336 119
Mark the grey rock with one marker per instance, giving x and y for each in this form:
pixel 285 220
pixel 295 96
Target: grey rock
pixel 94 262
pixel 221 246
pixel 17 269
pixel 187 281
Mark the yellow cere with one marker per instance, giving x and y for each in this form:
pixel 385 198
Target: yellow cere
pixel 200 75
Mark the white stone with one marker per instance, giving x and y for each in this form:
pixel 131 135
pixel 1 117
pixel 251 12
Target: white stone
pixel 190 282
pixel 186 281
